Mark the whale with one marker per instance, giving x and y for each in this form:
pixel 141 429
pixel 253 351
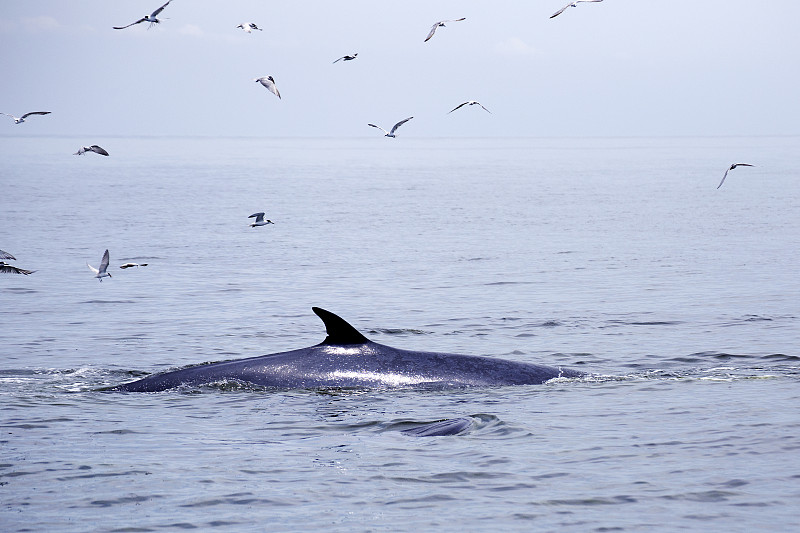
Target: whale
pixel 347 359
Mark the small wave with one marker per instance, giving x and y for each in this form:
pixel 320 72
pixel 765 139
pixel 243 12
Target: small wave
pixel 497 283
pixel 399 331
pixel 108 302
pixel 20 290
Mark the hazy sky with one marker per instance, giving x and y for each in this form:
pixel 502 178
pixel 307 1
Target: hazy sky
pixel 620 67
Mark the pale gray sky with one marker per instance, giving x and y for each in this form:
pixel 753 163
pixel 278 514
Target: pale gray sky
pixel 620 67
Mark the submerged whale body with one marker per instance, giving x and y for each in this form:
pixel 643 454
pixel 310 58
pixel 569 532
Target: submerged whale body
pixel 348 359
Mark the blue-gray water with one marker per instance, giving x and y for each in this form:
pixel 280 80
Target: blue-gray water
pixel 618 257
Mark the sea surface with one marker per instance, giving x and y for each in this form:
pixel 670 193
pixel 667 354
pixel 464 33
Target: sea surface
pixel 615 256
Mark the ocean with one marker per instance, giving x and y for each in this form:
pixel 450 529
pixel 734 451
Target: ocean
pixel 618 257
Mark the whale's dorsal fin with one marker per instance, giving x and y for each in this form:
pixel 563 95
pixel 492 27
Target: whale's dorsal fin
pixel 339 331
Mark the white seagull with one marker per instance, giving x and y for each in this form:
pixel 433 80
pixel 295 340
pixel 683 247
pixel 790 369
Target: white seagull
pixel 394 128
pixel 93 148
pixel 269 83
pixel 151 18
pixel 249 27
pixel 440 24
pixel 20 120
pixel 129 265
pixel 259 220
pixel 5 268
pixel 571 4
pixel 469 102
pixel 101 273
pixel 731 168
pixel 347 58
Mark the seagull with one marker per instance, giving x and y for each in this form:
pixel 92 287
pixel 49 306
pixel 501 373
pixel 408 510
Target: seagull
pixel 93 148
pixel 5 268
pixel 249 27
pixel 101 273
pixel 469 102
pixel 440 24
pixel 571 4
pixel 20 120
pixel 151 18
pixel 129 265
pixel 347 58
pixel 731 168
pixel 269 83
pixel 259 220
pixel 394 128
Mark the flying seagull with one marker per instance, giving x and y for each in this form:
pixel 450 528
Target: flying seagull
pixel 347 58
pixel 469 102
pixel 5 268
pixel 269 83
pixel 93 148
pixel 151 18
pixel 731 168
pixel 129 265
pixel 394 128
pixel 571 4
pixel 101 273
pixel 440 24
pixel 259 220
pixel 20 120
pixel 249 27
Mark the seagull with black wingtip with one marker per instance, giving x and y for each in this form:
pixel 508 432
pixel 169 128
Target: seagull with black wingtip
pixel 259 220
pixel 20 120
pixel 93 148
pixel 440 24
pixel 100 272
pixel 571 4
pixel 151 18
pixel 347 58
pixel 269 83
pixel 394 128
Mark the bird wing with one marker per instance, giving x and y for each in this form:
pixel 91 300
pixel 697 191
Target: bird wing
pixel 6 255
pixel 723 178
pixel 104 262
pixel 155 13
pixel 339 59
pixel 131 24
pixel 258 216
pixel 457 107
pixel 433 30
pixel 744 165
pixel 93 269
pixel 557 13
pixel 383 130
pixel 35 113
pixel 98 150
pixel 5 268
pixel 400 124
pixel 480 104
pixel 270 85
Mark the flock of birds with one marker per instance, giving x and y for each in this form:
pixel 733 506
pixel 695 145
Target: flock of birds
pixel 269 83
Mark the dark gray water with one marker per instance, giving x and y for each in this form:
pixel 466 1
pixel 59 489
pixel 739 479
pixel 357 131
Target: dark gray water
pixel 618 257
